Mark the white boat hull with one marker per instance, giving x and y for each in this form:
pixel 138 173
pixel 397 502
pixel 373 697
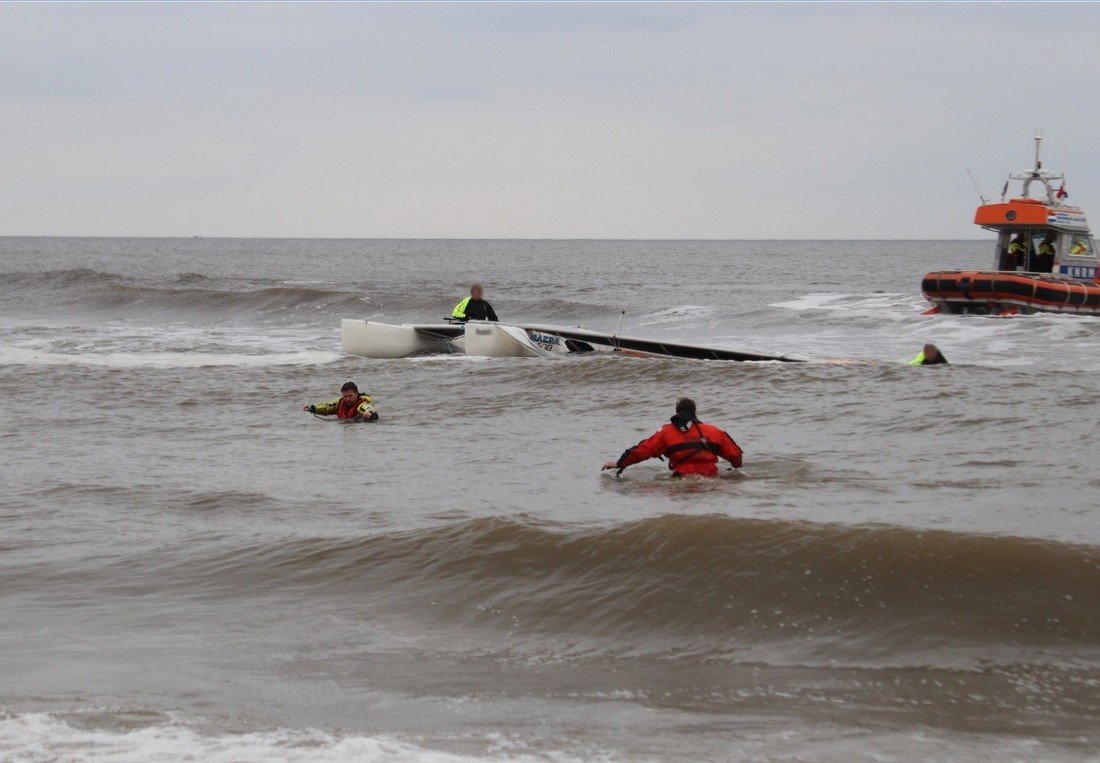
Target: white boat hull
pixel 495 340
pixel 384 340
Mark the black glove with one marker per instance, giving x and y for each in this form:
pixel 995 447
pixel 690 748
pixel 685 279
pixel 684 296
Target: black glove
pixel 313 409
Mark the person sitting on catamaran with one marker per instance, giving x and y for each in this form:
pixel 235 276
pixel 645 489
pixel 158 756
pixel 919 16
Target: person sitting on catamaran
pixel 474 308
pixel 691 447
pixel 350 406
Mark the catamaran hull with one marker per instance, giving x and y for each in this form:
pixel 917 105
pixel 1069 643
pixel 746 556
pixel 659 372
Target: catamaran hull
pixel 584 341
pixel 499 340
pixel 496 340
pixel 1002 292
pixel 384 340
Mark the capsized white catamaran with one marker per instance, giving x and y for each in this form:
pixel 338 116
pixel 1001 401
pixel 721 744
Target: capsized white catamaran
pixel 500 340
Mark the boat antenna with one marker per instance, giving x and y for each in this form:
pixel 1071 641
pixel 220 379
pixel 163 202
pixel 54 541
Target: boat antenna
pixel 1038 143
pixel 976 188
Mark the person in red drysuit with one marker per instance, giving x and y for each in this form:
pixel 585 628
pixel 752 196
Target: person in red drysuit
pixel 350 406
pixel 691 447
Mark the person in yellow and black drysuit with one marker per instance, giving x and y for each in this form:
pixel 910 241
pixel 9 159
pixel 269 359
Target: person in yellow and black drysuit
pixel 1044 263
pixel 350 406
pixel 474 307
pixel 1018 251
pixel 929 356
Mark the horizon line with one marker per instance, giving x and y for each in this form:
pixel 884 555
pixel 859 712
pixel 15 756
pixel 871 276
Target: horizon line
pixel 468 238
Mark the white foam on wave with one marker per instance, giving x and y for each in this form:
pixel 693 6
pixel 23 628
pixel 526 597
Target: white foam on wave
pixel 810 302
pixel 836 325
pixel 879 304
pixel 676 314
pixel 21 356
pixel 450 357
pixel 34 737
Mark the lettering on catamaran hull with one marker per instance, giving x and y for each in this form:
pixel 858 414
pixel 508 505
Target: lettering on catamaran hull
pixel 546 341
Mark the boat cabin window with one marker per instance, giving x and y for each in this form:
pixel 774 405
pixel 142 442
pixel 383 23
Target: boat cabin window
pixel 1079 246
pixel 1029 250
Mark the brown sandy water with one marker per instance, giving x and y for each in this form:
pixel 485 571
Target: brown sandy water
pixel 907 567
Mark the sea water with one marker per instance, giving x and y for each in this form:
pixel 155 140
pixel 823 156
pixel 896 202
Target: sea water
pixel 908 566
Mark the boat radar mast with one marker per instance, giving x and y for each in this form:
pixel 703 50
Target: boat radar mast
pixel 1027 177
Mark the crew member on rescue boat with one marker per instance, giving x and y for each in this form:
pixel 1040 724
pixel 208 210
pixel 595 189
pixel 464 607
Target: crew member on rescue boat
pixel 350 406
pixel 1045 261
pixel 691 447
pixel 1018 252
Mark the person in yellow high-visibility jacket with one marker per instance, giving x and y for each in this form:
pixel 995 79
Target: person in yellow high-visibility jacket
pixel 1018 252
pixel 474 307
pixel 929 356
pixel 352 405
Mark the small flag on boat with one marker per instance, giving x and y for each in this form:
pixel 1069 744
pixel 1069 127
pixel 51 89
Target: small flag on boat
pixel 1062 192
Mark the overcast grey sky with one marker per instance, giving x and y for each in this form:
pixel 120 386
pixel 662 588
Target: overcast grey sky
pixel 610 120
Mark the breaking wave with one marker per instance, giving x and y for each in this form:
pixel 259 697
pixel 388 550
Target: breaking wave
pixel 194 293
pixel 872 594
pixel 15 356
pixel 144 736
pixel 190 292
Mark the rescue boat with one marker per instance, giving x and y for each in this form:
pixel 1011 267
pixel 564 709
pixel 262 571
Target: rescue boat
pixel 1045 258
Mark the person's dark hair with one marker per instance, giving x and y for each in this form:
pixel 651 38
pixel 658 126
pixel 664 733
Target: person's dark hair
pixel 349 385
pixel 685 405
pixel 932 355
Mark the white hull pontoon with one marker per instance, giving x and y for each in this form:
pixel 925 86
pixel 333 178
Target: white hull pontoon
pixel 494 340
pixel 384 340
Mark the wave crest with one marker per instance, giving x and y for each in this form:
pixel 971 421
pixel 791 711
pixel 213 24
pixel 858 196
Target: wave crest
pixel 875 591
